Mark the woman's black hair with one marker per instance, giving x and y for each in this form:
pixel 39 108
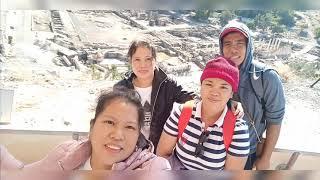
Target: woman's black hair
pixel 127 95
pixel 141 43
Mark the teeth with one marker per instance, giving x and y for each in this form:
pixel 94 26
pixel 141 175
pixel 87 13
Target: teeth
pixel 113 147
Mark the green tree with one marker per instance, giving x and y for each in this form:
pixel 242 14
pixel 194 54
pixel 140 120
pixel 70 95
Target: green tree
pixel 278 28
pixel 202 14
pixel 95 73
pixel 251 25
pixel 114 72
pixel 267 20
pixel 226 16
pixel 248 13
pixel 286 18
pixel 264 20
pixel 317 32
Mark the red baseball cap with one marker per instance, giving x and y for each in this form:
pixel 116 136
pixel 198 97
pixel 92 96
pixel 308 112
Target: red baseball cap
pixel 232 29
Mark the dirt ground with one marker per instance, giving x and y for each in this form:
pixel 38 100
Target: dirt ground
pixel 48 96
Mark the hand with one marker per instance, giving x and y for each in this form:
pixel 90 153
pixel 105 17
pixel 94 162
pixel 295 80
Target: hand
pixel 68 156
pixel 77 153
pixel 144 156
pixel 123 165
pixel 237 109
pixel 262 164
pixel 135 160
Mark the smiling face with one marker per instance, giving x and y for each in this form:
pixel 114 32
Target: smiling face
pixel 215 92
pixel 234 47
pixel 114 134
pixel 143 63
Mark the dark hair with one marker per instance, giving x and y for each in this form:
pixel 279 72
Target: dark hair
pixel 127 95
pixel 141 43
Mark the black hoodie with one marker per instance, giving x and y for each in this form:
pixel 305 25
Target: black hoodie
pixel 165 91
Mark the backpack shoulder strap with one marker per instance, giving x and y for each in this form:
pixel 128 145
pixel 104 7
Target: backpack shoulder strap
pixel 228 128
pixel 185 116
pixel 257 81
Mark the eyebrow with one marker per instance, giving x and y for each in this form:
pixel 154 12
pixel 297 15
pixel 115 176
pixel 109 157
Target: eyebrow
pixel 116 119
pixel 131 123
pixel 241 40
pixel 225 84
pixel 145 56
pixel 109 116
pixel 238 40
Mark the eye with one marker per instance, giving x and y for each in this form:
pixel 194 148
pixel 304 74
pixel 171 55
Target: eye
pixel 109 122
pixel 131 127
pixel 224 87
pixel 241 44
pixel 208 84
pixel 226 44
pixel 136 60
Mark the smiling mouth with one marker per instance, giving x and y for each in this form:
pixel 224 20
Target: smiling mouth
pixel 113 148
pixel 213 100
pixel 235 57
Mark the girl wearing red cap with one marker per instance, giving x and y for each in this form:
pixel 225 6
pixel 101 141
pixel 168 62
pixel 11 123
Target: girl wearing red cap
pixel 201 144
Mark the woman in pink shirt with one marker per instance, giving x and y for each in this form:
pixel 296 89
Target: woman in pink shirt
pixel 114 143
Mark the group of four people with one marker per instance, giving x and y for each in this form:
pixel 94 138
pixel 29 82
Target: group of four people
pixel 138 119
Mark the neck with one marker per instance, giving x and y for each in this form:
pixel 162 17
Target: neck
pixel 96 164
pixel 209 114
pixel 142 83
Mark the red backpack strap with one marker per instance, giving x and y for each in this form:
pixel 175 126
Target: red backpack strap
pixel 228 128
pixel 185 116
